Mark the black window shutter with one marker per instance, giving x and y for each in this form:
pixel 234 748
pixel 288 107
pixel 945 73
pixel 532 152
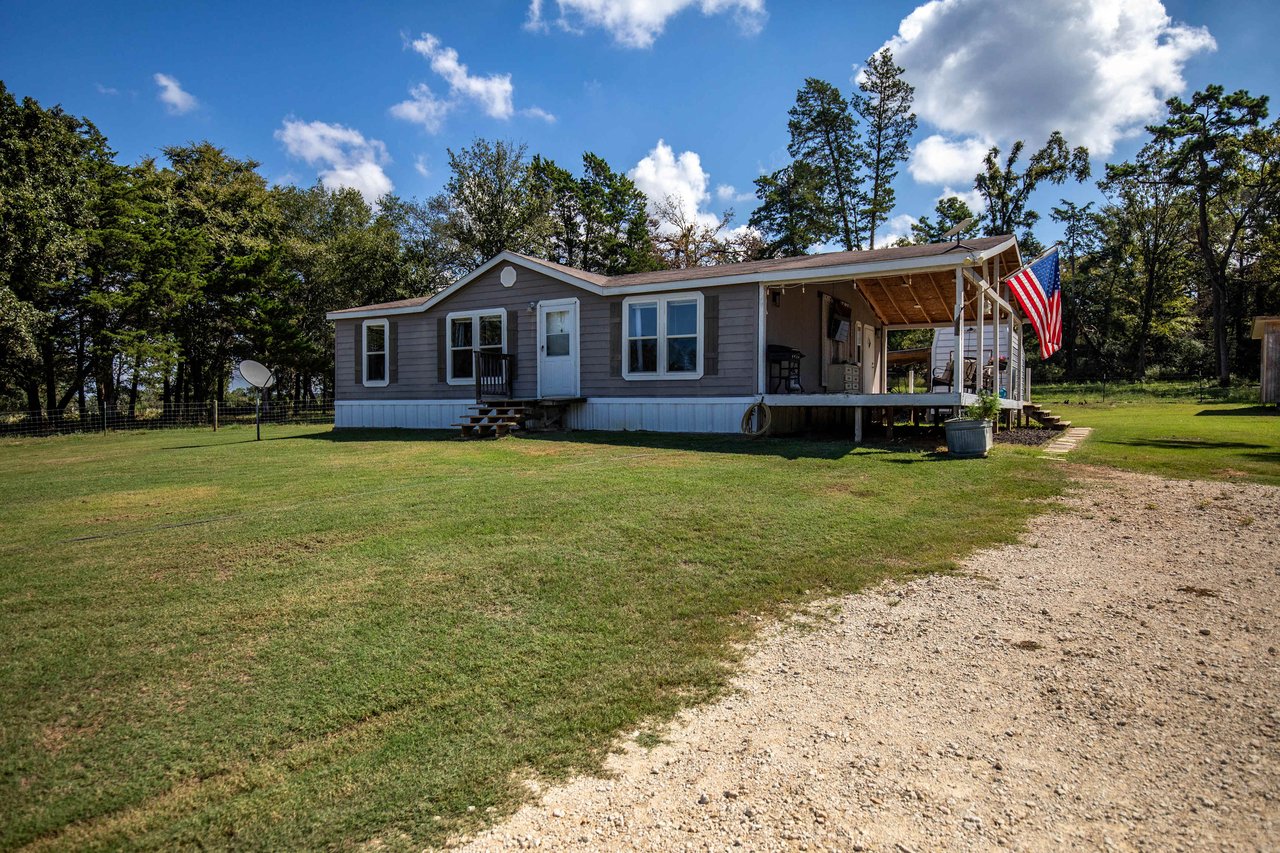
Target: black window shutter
pixel 442 341
pixel 513 340
pixel 615 338
pixel 358 334
pixel 711 335
pixel 393 352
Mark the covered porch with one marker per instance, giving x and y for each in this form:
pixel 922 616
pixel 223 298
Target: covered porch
pixel 825 355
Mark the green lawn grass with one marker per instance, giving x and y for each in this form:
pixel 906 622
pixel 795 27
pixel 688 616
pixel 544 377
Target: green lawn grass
pixel 1181 439
pixel 328 639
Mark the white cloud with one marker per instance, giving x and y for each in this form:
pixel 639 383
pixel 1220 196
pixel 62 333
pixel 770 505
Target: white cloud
pixel 106 90
pixel 728 192
pixel 662 174
pixel 938 160
pixel 1097 70
pixel 637 23
pixel 539 113
pixel 344 156
pixel 895 229
pixel 492 92
pixel 176 100
pixel 423 108
pixel 420 166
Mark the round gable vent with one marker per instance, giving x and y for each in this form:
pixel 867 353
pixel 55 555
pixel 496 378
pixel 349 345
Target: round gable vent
pixel 508 276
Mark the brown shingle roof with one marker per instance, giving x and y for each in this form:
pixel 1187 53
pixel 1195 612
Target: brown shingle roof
pixel 805 262
pixel 772 265
pixel 399 303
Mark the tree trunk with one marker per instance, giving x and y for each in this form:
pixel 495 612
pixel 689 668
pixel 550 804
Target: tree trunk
pixel 133 388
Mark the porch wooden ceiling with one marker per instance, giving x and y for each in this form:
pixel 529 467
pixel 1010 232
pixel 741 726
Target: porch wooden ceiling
pixel 922 298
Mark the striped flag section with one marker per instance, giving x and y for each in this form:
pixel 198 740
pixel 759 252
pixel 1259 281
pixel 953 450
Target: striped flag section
pixel 1038 288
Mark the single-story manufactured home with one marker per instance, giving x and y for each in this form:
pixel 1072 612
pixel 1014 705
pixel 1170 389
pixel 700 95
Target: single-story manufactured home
pixel 679 350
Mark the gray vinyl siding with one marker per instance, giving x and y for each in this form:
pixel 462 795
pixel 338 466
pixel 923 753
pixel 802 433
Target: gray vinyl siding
pixel 417 346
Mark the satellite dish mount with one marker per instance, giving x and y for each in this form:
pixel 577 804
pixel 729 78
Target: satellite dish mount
pixel 956 231
pixel 259 377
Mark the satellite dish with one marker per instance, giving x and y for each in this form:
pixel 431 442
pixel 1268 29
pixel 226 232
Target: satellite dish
pixel 508 276
pixel 256 374
pixel 958 228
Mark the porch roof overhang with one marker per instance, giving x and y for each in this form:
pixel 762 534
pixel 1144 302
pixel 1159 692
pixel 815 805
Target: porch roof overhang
pixel 925 298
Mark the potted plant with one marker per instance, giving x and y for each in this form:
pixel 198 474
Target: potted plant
pixel 970 437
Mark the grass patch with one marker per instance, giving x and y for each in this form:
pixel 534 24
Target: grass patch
pixel 1207 441
pixel 337 639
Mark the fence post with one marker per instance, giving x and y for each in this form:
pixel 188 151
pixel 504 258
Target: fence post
pixel 215 415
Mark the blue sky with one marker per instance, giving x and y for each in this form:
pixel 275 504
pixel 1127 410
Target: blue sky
pixel 334 91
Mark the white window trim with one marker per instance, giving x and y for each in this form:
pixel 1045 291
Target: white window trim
pixel 474 316
pixel 386 354
pixel 661 299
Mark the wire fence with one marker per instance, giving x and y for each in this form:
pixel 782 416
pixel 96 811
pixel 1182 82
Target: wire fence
pixel 209 416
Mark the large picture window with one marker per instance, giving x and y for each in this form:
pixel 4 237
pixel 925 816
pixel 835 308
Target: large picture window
pixel 375 353
pixel 472 331
pixel 662 336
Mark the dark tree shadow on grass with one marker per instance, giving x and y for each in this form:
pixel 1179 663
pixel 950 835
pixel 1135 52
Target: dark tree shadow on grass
pixel 1247 411
pixel 1188 444
pixel 786 447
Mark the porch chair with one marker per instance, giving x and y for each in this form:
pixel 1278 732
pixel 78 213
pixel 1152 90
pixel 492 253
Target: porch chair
pixel 784 368
pixel 942 376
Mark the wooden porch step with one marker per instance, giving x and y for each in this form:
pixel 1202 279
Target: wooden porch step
pixel 495 430
pixel 1046 417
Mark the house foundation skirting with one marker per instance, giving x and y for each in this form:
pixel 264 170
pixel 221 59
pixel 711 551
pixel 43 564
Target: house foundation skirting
pixel 399 414
pixel 617 414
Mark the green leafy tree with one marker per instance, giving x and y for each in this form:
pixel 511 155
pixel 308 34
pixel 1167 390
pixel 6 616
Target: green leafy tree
pixel 949 212
pixel 1157 222
pixel 48 165
pixel 825 137
pixel 1007 191
pixel 888 123
pixel 1078 224
pixel 793 215
pixel 1217 147
pixel 598 222
pixel 491 203
pixel 227 224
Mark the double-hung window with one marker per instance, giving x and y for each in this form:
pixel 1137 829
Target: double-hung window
pixel 374 347
pixel 470 332
pixel 662 336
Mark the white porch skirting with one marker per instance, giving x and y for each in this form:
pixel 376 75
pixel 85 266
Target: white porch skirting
pixel 659 414
pixel 616 414
pixel 399 414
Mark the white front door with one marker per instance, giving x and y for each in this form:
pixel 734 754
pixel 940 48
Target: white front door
pixel 870 358
pixel 558 348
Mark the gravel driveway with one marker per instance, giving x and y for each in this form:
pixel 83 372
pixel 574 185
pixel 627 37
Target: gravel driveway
pixel 1109 682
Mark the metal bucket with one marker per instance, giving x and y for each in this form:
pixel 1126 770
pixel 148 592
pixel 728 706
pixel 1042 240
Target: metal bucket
pixel 968 439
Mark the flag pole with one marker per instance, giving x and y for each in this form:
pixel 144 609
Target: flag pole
pixel 1034 260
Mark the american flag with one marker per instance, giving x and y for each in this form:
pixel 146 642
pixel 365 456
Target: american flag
pixel 1039 290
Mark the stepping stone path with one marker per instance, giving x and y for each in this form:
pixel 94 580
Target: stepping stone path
pixel 1069 440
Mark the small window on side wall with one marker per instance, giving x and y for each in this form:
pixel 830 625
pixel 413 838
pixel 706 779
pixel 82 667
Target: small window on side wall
pixel 375 353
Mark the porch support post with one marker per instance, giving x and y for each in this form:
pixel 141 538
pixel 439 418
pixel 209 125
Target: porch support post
pixel 995 342
pixel 857 424
pixel 957 372
pixel 981 339
pixel 762 367
pixel 884 360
